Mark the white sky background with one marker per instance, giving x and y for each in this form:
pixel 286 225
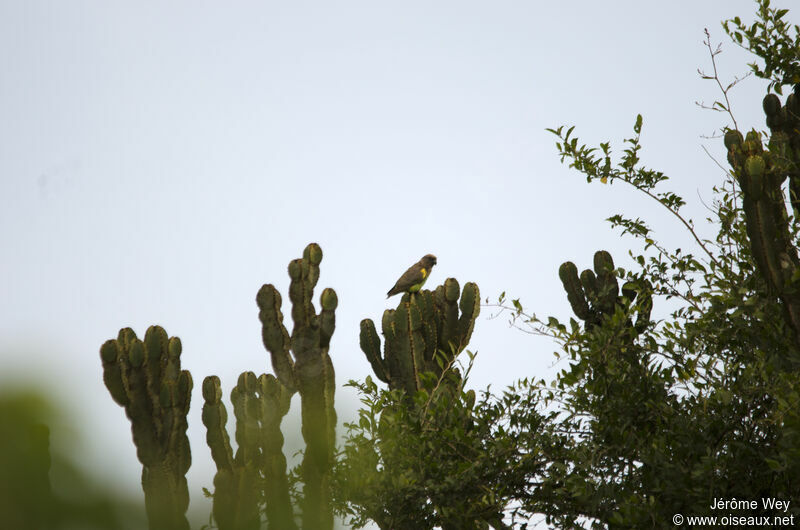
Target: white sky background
pixel 160 162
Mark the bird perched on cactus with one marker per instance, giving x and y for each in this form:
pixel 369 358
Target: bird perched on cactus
pixel 414 278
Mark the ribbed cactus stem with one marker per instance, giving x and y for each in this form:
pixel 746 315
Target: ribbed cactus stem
pixel 328 302
pixel 246 408
pixel 409 345
pixel 371 346
pixel 446 301
pixel 214 418
pixel 145 377
pixel 274 401
pixel 590 284
pixel 470 306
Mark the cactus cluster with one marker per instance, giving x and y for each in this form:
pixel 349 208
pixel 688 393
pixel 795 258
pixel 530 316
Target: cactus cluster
pixel 301 363
pixel 256 475
pixel 761 174
pixel 423 334
pixel 595 294
pixel 146 378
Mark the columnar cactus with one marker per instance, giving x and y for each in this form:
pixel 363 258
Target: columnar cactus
pixel 259 405
pixel 423 334
pixel 146 378
pixel 761 174
pixel 595 295
pixel 301 362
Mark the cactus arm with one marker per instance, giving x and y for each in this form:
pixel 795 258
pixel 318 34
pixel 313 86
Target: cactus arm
pixel 568 273
pixel 371 346
pixel 312 257
pixel 227 506
pixel 247 461
pixel 402 348
pixel 245 408
pixel 274 334
pixel 304 274
pixel 470 306
pixel 112 372
pixel 328 301
pixel 608 288
pixel 447 298
pixel 298 292
pixel 430 331
pixel 274 400
pixel 389 355
pixel 214 418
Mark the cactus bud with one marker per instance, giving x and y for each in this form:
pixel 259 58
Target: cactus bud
pixel 451 289
pixel 793 104
pixel 109 351
pixel 752 143
pixel 295 269
pixel 328 299
pixel 771 104
pixel 629 290
pixel 733 138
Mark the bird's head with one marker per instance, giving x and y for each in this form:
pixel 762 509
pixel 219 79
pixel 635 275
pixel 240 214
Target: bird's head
pixel 429 260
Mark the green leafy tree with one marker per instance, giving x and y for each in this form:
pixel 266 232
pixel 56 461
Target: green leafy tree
pixel 448 459
pixel 666 416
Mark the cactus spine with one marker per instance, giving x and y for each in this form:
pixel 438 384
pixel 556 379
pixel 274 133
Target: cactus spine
pixel 146 378
pixel 424 334
pixel 761 174
pixel 301 363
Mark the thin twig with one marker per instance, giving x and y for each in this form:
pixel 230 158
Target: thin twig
pixel 688 226
pixel 715 77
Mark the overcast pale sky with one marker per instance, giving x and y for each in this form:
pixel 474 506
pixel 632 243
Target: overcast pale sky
pixel 160 161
